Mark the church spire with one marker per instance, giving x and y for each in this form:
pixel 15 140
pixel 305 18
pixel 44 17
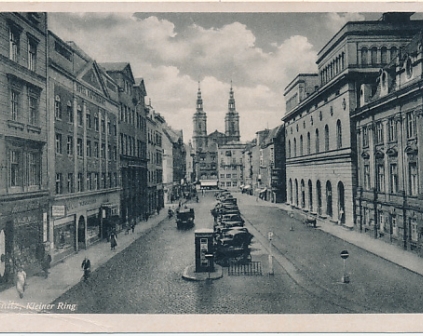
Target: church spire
pixel 231 103
pixel 199 100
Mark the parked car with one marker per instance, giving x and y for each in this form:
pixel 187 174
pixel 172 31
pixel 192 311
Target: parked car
pixel 235 238
pixel 231 220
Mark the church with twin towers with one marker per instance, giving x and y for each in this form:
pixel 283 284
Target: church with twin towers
pixel 217 151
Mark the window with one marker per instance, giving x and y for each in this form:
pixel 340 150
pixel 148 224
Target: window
pixel 365 136
pixel 295 147
pixel 96 123
pixel 234 183
pixel 338 134
pixel 89 148
pixel 228 184
pixel 14 44
pixel 80 182
pixel 34 164
pixel 109 152
pixel 70 183
pixel 228 175
pixel 381 178
pixel 364 56
pixel 79 116
pixel 69 145
pixel 79 147
pixel 109 128
pixel 413 187
pixel 394 225
pixel 88 119
pixel 384 55
pixel 89 182
pixel 57 108
pixel 301 145
pixel 367 177
pixel 379 132
pixel 308 143
pixel 222 175
pixel 413 229
pixel 69 111
pixel 59 186
pixel 393 172
pixel 373 56
pixel 289 148
pixel 15 168
pixel 104 180
pixel 392 130
pixel 96 182
pixel 32 107
pixel 32 54
pixel 409 68
pixel 103 151
pixel 317 141
pixel 411 125
pixel 58 143
pixel 326 138
pixel 15 105
pixel 103 126
pixel 394 51
pixel 96 149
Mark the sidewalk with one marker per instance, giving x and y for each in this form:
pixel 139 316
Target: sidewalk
pixel 63 276
pixel 378 247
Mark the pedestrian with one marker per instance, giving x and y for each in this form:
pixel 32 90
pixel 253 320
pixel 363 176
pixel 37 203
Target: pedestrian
pixel 86 267
pixel 20 281
pixel 133 226
pixel 45 265
pixel 113 242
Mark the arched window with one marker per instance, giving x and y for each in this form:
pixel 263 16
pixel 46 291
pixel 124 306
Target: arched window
pixel 301 145
pixel 373 56
pixel 317 141
pixel 394 51
pixel 338 134
pixel 295 147
pixel 364 56
pixel 384 55
pixel 326 138
pixel 308 143
pixel 290 191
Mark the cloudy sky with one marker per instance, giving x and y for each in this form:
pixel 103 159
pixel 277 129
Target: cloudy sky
pixel 260 52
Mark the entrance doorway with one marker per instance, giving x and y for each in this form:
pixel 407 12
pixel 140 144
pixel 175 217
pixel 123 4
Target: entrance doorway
pixel 81 233
pixel 329 210
pixel 341 203
pixel 310 195
pixel 319 197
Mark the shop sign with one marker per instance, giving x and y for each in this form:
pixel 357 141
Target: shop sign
pixel 58 211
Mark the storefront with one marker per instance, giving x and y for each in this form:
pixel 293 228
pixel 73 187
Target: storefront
pixel 22 233
pixel 83 222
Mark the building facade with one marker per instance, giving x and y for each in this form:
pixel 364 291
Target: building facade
pixel 231 165
pixel 24 193
pixel 155 148
pixel 320 145
pixel 83 158
pixel 206 167
pixel 390 152
pixel 132 141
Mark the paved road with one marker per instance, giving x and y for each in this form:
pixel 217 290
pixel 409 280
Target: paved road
pixel 146 278
pixel 377 285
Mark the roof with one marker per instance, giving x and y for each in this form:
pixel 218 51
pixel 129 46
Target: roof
pixel 273 133
pixel 114 66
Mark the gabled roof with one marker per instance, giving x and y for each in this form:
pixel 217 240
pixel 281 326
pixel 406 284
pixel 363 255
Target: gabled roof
pixel 91 74
pixel 124 67
pixel 273 133
pixel 217 133
pixel 139 82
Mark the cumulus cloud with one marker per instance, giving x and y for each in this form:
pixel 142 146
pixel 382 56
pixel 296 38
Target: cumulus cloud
pixel 172 61
pixel 336 21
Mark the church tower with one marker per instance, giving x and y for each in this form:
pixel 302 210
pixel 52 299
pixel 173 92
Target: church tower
pixel 199 137
pixel 232 119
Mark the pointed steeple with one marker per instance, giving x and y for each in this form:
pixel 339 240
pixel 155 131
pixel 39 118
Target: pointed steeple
pixel 199 100
pixel 231 103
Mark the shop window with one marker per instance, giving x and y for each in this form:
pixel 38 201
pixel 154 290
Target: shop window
pixel 64 238
pixel 93 228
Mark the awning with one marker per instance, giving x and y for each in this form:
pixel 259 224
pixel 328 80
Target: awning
pixel 209 183
pixel 247 187
pixel 263 190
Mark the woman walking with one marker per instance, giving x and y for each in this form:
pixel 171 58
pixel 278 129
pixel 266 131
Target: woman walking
pixel 20 281
pixel 113 242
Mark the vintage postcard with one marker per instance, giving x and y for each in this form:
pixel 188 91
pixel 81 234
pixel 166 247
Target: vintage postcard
pixel 211 167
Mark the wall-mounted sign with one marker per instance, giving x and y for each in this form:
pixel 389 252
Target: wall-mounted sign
pixel 58 211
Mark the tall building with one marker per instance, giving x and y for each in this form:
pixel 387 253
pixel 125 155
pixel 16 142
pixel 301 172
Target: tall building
pixel 24 193
pixel 390 152
pixel 132 137
pixel 155 147
pixel 83 158
pixel 231 165
pixel 205 145
pixel 321 144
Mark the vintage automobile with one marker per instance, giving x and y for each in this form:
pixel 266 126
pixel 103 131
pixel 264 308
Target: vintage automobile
pixel 236 238
pixel 185 218
pixel 230 220
pixel 233 247
pixel 220 231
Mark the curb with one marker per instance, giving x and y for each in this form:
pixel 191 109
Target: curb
pixel 190 274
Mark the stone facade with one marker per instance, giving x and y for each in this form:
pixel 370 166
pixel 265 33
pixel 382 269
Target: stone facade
pixel 231 165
